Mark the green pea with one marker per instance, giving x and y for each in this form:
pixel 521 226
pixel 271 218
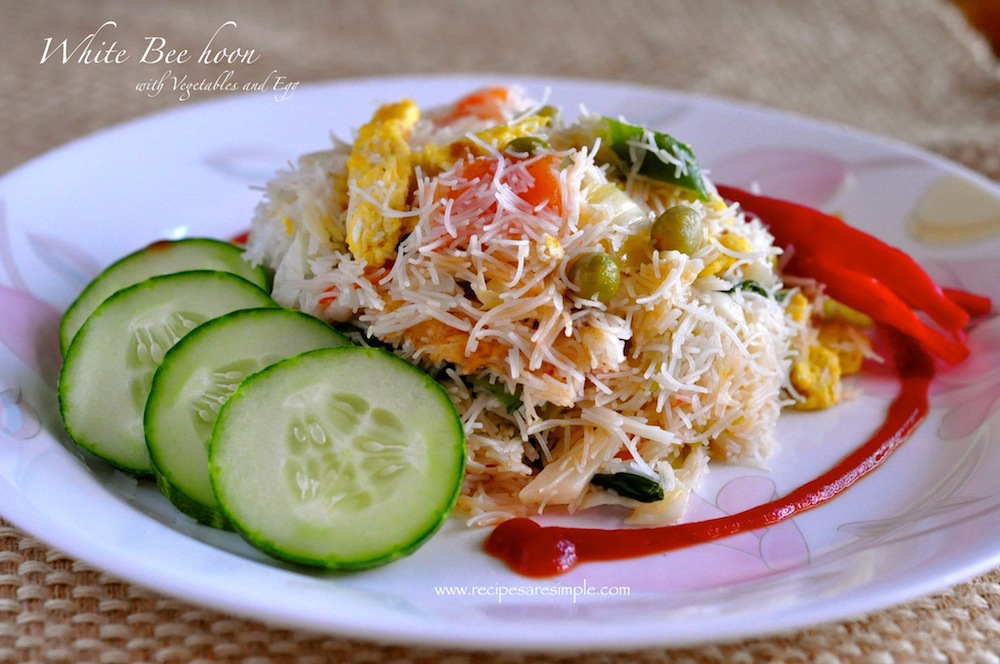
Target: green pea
pixel 528 145
pixel 679 227
pixel 597 275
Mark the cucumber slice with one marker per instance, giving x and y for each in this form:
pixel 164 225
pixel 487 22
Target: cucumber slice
pixel 162 257
pixel 343 458
pixel 109 366
pixel 197 376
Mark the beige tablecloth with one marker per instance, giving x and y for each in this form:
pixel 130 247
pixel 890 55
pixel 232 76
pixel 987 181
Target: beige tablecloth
pixel 910 69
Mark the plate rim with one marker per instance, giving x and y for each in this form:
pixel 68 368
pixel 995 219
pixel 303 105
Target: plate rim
pixel 147 579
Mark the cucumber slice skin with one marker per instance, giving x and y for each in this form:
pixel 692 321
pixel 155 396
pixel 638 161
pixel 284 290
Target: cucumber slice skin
pixel 196 376
pixel 105 379
pixel 160 257
pixel 268 446
pixel 195 510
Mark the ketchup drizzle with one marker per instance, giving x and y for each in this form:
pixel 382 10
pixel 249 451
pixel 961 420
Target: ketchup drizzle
pixel 533 550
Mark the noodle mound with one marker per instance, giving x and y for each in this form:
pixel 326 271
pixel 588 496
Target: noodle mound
pixel 453 237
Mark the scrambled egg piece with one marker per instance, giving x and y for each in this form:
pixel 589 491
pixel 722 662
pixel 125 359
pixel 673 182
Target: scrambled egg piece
pixel 816 377
pixel 550 250
pixel 380 161
pixel 848 341
pixel 723 262
pixel 839 350
pixel 798 307
pixel 501 135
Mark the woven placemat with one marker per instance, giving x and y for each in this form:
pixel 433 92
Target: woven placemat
pixel 909 69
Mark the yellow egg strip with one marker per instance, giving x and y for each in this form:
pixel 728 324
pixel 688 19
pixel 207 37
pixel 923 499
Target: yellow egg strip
pixel 380 165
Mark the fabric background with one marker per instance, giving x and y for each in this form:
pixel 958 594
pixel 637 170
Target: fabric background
pixel 913 70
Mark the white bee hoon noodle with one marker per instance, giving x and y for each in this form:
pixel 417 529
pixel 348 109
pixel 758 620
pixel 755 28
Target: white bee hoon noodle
pixel 677 366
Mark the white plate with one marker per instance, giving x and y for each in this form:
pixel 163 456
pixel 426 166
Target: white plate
pixel 926 520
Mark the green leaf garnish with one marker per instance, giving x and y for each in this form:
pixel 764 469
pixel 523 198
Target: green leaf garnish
pixel 750 285
pixel 630 485
pixel 509 401
pixel 631 145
